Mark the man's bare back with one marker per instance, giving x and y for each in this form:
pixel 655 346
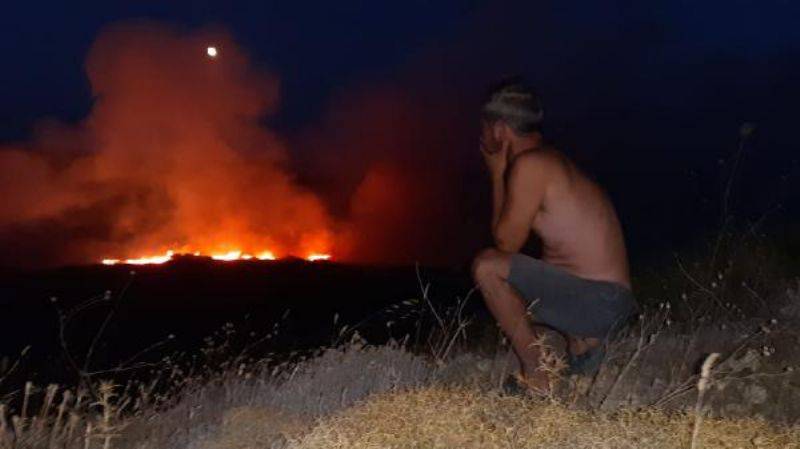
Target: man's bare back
pixel 576 221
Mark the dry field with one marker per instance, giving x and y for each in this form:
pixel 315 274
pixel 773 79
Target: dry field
pixel 354 395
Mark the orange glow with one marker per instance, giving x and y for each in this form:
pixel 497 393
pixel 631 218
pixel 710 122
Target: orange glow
pixel 266 255
pixel 145 260
pixel 233 255
pixel 230 255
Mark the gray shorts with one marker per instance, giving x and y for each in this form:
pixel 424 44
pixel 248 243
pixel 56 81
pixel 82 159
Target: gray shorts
pixel 567 303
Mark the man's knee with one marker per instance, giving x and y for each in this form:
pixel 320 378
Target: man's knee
pixel 490 264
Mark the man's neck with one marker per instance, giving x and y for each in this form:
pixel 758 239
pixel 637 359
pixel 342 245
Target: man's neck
pixel 521 144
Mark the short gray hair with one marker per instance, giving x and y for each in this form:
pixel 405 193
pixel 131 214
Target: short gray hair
pixel 515 104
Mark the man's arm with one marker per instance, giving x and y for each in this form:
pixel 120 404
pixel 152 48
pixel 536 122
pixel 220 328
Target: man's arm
pixel 498 198
pixel 516 202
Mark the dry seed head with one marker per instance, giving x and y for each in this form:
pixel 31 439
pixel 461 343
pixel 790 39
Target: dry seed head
pixel 705 371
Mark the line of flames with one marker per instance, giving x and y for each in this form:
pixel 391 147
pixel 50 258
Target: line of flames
pixel 229 256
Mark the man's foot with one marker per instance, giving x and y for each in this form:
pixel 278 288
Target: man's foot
pixel 587 363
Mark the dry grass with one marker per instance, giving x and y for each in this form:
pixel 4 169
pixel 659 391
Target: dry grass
pixel 369 397
pixel 256 427
pixel 360 396
pixel 438 417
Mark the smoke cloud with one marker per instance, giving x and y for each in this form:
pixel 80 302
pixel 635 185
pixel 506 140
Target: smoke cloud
pixel 173 155
pixel 392 161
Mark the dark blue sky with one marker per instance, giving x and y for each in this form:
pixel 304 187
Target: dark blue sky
pixel 313 46
pixel 649 96
pixel 316 46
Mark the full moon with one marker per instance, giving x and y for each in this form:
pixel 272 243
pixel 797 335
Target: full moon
pixel 211 52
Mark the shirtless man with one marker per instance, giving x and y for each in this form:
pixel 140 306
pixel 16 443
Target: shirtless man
pixel 581 285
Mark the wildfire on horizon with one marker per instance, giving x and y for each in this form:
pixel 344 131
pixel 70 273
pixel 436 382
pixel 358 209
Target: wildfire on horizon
pixel 234 255
pixel 175 159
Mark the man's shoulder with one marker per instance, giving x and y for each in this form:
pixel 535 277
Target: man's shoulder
pixel 540 159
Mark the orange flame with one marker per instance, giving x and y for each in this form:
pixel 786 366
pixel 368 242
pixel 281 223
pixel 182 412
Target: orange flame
pixel 233 255
pixel 146 260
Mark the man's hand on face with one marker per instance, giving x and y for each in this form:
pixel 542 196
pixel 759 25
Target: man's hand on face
pixel 496 159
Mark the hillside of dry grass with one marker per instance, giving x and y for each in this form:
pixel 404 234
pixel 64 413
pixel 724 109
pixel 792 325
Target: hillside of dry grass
pixel 360 396
pixel 444 392
pixel 438 417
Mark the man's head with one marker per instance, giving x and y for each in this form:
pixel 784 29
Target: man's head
pixel 511 110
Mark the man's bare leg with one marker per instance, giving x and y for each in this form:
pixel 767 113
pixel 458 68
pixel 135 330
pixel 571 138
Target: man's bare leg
pixel 490 271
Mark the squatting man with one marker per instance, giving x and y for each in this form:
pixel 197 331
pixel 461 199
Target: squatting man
pixel 581 285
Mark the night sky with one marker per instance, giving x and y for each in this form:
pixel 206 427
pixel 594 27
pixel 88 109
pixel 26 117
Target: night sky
pixel 314 46
pixel 648 97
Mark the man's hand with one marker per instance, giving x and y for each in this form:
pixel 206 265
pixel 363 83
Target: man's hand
pixel 496 160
